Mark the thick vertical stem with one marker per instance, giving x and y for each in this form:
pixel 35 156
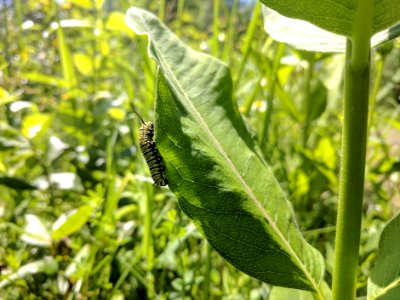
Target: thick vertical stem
pixel 354 142
pixel 148 245
pixel 307 102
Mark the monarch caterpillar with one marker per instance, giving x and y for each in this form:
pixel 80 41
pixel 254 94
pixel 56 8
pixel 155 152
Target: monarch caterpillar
pixel 150 152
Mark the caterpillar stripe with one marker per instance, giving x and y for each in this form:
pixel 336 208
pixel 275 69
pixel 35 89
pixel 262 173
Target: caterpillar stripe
pixel 151 154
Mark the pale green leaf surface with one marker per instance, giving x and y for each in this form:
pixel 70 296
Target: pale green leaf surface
pixel 306 36
pixel 69 224
pixel 6 97
pixel 47 265
pixel 87 4
pixel 337 16
pixel 116 21
pixel 66 59
pixel 79 263
pixel 280 293
pixel 213 167
pixel 35 232
pixel 45 79
pixel 301 34
pixel 36 125
pixel 384 282
pixel 84 63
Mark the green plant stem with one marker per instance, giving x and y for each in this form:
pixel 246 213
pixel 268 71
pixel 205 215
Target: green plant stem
pixel 215 43
pixel 354 141
pixel 147 242
pixel 148 224
pixel 181 6
pixel 207 272
pixel 111 199
pixel 161 12
pixel 7 55
pixel 251 30
pixel 307 98
pixel 272 80
pixel 374 94
pixel 231 30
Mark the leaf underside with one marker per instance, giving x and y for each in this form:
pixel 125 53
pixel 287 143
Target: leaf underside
pixel 337 16
pixel 306 36
pixel 214 167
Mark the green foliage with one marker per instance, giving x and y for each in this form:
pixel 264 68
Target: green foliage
pixel 79 216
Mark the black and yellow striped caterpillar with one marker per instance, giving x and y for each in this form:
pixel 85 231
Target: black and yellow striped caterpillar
pixel 150 153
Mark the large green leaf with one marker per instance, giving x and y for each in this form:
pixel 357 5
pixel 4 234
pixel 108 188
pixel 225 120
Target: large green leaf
pixel 337 16
pixel 213 166
pixel 384 283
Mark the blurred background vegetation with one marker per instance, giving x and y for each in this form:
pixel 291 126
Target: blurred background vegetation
pixel 79 216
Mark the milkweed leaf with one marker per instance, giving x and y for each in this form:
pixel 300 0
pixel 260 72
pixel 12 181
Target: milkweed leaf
pixel 214 168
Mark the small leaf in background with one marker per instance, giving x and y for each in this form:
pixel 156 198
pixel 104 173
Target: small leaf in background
pixel 99 3
pixel 116 21
pixel 83 63
pixel 71 222
pixel 384 282
pixel 56 148
pixel 87 4
pixel 214 167
pixel 20 105
pixel 63 181
pixel 6 97
pixel 300 184
pixel 35 232
pixel 8 144
pixel 385 35
pixel 325 153
pixel 104 47
pixel 15 183
pixel 67 65
pixel 36 125
pixel 79 263
pixel 47 265
pixel 45 79
pixel 318 101
pixel 116 113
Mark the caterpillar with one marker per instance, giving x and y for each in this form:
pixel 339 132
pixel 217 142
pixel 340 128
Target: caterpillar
pixel 150 153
